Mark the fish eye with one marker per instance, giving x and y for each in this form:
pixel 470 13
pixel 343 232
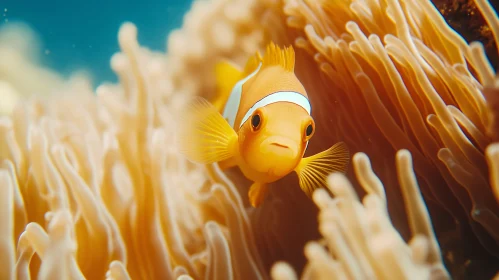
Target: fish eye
pixel 256 121
pixel 309 130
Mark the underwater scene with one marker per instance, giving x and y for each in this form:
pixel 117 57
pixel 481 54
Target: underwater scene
pixel 249 139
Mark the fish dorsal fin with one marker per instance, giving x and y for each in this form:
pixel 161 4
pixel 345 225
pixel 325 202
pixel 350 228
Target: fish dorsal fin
pixel 312 171
pixel 274 55
pixel 205 136
pixel 253 63
pixel 227 75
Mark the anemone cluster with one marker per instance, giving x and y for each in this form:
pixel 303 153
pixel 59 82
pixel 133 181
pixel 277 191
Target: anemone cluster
pixel 92 185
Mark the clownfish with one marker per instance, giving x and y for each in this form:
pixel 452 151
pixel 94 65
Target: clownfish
pixel 260 122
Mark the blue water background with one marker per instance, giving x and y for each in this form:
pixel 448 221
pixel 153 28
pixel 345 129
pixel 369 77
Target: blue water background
pixel 82 34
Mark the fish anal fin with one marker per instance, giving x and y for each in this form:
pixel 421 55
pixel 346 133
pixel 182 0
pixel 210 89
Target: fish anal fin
pixel 204 135
pixel 257 193
pixel 312 171
pixel 227 75
pixel 228 163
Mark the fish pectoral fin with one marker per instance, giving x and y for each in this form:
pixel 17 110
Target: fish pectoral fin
pixel 227 75
pixel 312 171
pixel 257 193
pixel 204 135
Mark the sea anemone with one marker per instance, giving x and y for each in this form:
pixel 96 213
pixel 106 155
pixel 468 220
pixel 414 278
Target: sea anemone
pixel 94 186
pixel 397 77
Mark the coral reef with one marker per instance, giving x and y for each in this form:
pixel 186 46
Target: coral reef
pixel 93 187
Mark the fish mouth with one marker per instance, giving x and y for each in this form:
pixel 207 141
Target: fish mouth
pixel 282 144
pixel 279 145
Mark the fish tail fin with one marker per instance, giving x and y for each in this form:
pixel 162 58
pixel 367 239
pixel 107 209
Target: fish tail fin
pixel 227 75
pixel 312 171
pixel 204 135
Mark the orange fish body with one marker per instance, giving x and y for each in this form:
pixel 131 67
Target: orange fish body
pixel 261 123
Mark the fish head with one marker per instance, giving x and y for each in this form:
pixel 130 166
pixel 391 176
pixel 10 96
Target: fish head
pixel 275 138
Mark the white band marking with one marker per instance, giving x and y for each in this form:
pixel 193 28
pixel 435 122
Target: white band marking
pixel 234 100
pixel 280 96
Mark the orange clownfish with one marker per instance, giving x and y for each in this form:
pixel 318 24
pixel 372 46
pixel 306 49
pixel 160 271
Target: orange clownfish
pixel 261 123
